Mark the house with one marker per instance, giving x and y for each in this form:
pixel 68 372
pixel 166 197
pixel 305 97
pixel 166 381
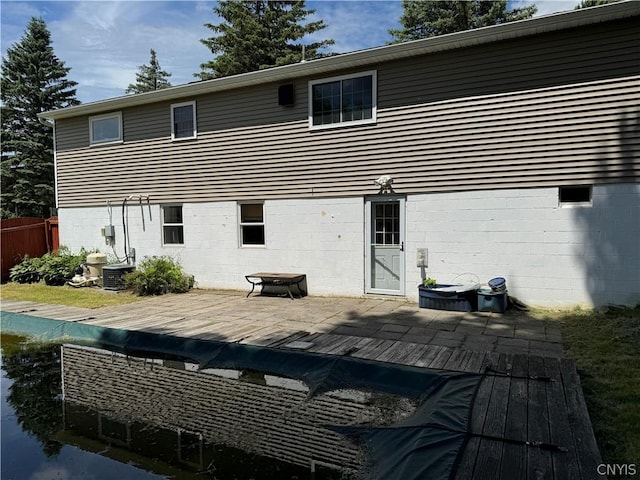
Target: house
pixel 513 151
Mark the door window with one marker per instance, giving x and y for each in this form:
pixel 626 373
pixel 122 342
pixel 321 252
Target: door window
pixel 387 223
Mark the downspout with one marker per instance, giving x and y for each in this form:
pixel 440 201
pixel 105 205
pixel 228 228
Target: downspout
pixel 52 124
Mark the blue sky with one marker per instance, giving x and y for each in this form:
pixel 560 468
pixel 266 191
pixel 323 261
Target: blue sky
pixel 105 42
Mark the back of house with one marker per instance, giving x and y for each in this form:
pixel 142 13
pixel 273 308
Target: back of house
pixel 507 151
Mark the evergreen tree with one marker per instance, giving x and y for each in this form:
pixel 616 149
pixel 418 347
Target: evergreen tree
pixel 33 81
pixel 259 34
pixel 594 3
pixel 150 77
pixel 422 19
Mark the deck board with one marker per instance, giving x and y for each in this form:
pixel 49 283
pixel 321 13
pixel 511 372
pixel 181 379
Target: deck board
pixel 539 463
pixel 516 422
pixel 560 431
pixel 489 450
pixel 513 403
pixel 578 417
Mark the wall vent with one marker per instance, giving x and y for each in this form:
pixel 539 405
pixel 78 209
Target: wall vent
pixel 286 95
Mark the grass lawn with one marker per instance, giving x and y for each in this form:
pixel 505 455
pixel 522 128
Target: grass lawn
pixel 606 349
pixel 66 295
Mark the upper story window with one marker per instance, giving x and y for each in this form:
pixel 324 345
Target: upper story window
pixel 342 101
pixel 105 128
pixel 183 120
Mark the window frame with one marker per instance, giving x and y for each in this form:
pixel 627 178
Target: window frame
pixel 575 203
pixel 173 106
pixel 242 224
pixel 342 123
pixel 96 118
pixel 165 224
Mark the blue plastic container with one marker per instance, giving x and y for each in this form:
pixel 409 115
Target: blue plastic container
pixel 490 301
pixel 498 284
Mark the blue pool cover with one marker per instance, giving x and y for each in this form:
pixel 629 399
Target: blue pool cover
pixel 425 445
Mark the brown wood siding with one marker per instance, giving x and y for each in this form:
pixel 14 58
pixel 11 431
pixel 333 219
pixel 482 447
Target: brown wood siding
pixel 554 109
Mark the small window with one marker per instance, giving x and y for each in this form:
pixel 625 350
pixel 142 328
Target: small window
pixel 172 226
pixel 251 224
pixel 580 196
pixel 183 121
pixel 105 128
pixel 346 100
pixel 114 431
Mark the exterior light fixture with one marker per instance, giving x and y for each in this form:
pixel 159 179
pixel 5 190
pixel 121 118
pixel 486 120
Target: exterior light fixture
pixel 385 183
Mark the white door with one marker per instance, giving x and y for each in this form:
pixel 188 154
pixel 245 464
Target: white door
pixel 385 258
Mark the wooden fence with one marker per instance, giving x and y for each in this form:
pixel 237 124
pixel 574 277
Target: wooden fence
pixel 26 236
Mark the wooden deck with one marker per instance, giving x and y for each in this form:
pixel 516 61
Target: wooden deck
pixel 529 420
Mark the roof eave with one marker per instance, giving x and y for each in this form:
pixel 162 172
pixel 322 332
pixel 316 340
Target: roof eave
pixel 480 36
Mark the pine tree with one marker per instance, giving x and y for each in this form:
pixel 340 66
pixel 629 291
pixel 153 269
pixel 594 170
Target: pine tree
pixel 594 3
pixel 33 81
pixel 259 34
pixel 150 77
pixel 422 19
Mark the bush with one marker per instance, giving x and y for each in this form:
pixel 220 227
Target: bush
pixel 54 268
pixel 59 267
pixel 26 271
pixel 157 276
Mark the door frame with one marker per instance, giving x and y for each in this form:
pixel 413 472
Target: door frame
pixel 368 237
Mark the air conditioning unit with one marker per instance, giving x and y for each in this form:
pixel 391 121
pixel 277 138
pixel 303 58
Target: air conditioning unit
pixel 113 276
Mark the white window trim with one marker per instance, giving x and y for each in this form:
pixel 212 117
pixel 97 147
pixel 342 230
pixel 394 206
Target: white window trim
pixel 163 224
pixel 240 225
pixel 117 115
pixel 576 204
pixel 374 100
pixel 195 126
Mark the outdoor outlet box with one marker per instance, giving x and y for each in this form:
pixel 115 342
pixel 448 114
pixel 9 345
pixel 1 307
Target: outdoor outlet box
pixel 109 234
pixel 421 257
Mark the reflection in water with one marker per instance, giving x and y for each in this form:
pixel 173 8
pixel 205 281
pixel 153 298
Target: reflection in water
pixel 32 418
pixel 35 392
pixel 172 419
pixel 224 423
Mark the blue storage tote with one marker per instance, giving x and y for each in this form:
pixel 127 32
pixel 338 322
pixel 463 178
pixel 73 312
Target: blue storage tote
pixel 491 301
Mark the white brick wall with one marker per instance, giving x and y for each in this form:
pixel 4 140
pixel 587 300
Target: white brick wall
pixel 322 238
pixel 550 255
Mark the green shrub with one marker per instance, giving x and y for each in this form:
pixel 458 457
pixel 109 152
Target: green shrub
pixel 54 268
pixel 59 267
pixel 26 271
pixel 429 282
pixel 157 276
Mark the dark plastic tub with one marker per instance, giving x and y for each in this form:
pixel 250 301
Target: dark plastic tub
pixel 464 301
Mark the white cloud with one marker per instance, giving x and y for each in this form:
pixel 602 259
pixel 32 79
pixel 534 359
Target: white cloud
pixel 546 7
pixel 105 42
pixel 47 472
pixel 356 25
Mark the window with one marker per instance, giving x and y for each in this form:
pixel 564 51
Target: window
pixel 251 224
pixel 341 101
pixel 105 128
pixel 574 196
pixel 172 226
pixel 183 120
pixel 387 223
